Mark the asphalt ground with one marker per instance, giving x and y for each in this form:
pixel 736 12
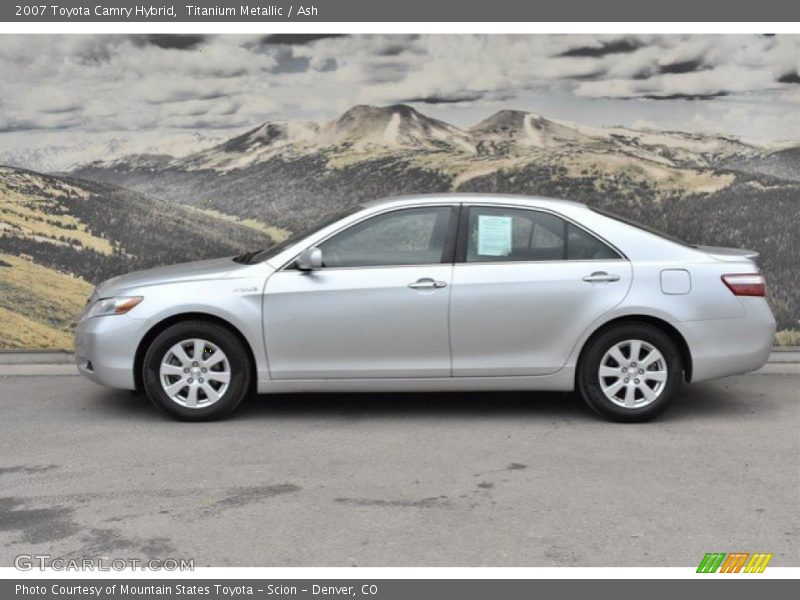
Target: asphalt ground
pixel 485 479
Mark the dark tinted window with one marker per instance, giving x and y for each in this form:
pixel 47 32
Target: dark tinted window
pixel 509 234
pixel 414 236
pixel 581 245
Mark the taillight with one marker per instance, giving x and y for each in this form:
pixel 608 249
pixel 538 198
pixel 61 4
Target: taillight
pixel 746 284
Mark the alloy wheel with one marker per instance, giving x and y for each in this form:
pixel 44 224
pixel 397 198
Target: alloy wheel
pixel 632 374
pixel 195 373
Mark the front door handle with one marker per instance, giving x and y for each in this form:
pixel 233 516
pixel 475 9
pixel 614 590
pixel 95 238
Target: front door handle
pixel 426 283
pixel 600 277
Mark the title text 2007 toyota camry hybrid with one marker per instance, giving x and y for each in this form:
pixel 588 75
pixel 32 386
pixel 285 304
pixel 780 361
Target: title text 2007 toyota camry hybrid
pixel 436 293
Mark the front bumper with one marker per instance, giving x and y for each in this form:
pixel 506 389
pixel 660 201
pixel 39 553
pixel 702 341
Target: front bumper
pixel 105 349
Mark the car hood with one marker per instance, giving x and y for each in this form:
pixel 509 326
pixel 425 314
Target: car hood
pixel 201 270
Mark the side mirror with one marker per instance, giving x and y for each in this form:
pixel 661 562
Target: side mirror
pixel 310 259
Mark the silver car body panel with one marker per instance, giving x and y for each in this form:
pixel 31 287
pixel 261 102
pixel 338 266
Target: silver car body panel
pixel 362 323
pixel 523 318
pixel 499 325
pixel 222 289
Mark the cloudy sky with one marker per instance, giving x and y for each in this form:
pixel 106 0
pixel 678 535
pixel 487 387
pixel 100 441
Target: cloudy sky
pixel 63 89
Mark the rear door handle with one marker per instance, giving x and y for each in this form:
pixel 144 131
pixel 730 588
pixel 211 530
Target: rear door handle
pixel 426 283
pixel 600 276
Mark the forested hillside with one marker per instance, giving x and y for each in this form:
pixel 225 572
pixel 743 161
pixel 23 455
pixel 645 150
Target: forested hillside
pixel 58 236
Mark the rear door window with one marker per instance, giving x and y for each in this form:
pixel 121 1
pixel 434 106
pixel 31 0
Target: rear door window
pixel 500 234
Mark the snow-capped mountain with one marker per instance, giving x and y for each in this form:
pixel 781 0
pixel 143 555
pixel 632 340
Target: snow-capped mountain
pixel 367 132
pixel 512 130
pixel 64 158
pixel 395 127
pixel 50 159
pixel 527 130
pixel 258 162
pixel 253 146
pixel 362 129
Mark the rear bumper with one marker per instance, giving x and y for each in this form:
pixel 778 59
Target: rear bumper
pixel 105 349
pixel 722 347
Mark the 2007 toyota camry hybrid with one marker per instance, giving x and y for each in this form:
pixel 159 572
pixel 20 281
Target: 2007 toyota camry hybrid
pixel 436 293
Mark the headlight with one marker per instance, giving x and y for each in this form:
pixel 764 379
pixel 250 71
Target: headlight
pixel 112 306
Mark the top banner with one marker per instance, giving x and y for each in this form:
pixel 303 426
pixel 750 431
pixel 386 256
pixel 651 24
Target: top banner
pixel 394 11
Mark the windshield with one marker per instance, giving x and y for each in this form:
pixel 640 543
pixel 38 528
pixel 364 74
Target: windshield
pixel 641 226
pixel 267 253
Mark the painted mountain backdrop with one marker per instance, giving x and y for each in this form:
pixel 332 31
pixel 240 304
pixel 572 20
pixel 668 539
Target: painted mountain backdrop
pixel 109 216
pixel 59 235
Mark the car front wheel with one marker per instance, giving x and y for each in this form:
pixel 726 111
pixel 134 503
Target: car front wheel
pixel 196 371
pixel 630 373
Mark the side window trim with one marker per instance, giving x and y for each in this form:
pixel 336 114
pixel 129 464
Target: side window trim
pixel 451 238
pixel 463 236
pixel 448 247
pixel 565 237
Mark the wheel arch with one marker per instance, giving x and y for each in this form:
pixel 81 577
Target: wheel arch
pixel 155 330
pixel 661 324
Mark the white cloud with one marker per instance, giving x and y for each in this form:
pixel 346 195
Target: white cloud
pixel 123 83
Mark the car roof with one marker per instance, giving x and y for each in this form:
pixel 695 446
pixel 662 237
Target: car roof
pixel 415 199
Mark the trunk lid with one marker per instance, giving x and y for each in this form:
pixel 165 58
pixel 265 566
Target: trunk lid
pixel 729 254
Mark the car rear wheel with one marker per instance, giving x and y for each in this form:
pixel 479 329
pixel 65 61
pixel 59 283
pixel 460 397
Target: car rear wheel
pixel 196 371
pixel 630 373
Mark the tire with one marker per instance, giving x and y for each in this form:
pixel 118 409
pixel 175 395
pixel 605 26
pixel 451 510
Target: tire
pixel 624 392
pixel 219 382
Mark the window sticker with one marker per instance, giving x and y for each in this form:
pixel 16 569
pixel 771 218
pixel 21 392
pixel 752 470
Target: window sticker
pixel 494 235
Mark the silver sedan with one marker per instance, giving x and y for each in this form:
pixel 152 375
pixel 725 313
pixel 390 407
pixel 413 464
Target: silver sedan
pixel 436 293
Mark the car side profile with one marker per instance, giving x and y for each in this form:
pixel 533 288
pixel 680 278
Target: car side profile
pixel 436 293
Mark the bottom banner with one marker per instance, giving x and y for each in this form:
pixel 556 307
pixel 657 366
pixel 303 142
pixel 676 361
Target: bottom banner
pixel 384 589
